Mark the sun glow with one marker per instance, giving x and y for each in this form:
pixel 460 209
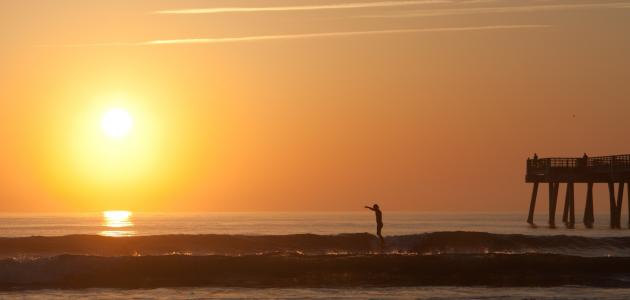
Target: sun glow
pixel 117 149
pixel 117 123
pixel 116 221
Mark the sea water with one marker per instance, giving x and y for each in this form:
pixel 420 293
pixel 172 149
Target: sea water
pixel 320 223
pixel 429 293
pixel 280 223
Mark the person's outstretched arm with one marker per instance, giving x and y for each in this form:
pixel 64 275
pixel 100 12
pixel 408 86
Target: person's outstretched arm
pixel 372 209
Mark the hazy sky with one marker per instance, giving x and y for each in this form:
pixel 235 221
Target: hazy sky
pixel 304 104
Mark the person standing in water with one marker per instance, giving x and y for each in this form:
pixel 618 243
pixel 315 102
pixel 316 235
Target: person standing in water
pixel 379 220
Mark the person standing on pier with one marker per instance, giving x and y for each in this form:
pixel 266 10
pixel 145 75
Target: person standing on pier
pixel 379 221
pixel 585 160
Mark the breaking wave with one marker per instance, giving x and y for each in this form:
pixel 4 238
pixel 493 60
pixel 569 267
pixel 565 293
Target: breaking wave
pixel 311 244
pixel 308 260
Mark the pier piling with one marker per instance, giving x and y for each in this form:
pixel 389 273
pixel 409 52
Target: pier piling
pixel 532 204
pixel 613 205
pixel 589 217
pixel 571 200
pixel 553 200
pixel 619 205
pixel 565 213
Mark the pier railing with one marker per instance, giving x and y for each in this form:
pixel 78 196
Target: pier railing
pixel 594 169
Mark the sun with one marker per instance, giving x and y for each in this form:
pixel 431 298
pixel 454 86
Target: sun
pixel 117 123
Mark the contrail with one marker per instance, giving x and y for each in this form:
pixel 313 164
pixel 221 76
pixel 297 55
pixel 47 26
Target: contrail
pixel 218 10
pixel 302 36
pixel 496 10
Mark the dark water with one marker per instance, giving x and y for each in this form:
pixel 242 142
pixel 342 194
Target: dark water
pixel 432 293
pixel 351 270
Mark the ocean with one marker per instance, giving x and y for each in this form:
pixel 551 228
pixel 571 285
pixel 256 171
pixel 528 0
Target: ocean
pixel 280 223
pixel 120 255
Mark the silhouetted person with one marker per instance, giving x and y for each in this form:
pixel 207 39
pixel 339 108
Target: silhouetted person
pixel 535 157
pixel 585 160
pixel 379 220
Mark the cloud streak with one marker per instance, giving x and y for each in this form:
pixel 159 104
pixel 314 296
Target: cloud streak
pixel 303 36
pixel 218 10
pixel 497 10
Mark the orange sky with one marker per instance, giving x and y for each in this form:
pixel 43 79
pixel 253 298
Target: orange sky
pixel 304 105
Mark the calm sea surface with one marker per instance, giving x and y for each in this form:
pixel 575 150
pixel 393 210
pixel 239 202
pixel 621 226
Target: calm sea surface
pixel 396 223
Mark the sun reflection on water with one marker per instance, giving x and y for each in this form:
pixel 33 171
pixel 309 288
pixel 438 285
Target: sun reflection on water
pixel 117 223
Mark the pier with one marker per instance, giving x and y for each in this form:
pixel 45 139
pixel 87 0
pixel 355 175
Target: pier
pixel 614 171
